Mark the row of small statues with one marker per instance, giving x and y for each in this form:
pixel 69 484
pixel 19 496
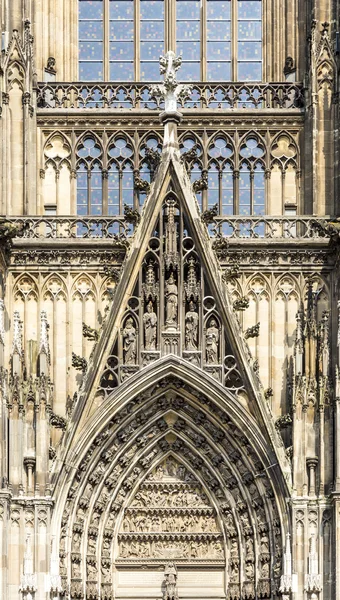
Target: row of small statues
pixel 212 334
pixel 176 497
pixel 196 549
pixel 169 523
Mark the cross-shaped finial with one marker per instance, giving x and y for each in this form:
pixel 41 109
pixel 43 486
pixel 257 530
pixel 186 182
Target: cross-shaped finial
pixel 170 90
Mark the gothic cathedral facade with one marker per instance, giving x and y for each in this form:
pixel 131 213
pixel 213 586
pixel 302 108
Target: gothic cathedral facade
pixel 169 300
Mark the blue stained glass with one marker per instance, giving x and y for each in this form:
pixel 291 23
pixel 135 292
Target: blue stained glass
pixel 219 50
pixel 152 8
pixel 218 9
pixel 219 71
pixel 91 71
pixel 186 30
pixel 91 9
pixel 152 30
pixel 121 9
pixel 90 50
pixel 218 30
pixel 91 30
pixel 151 51
pixel 191 71
pixel 121 51
pixel 189 50
pixel 82 179
pixel 122 71
pixel 249 30
pixel 149 71
pixel 249 9
pixel 249 50
pixel 249 71
pixel 187 9
pixel 121 30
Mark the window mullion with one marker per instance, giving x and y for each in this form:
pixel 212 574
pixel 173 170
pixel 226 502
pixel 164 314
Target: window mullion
pixel 234 40
pixel 137 39
pixel 106 40
pixel 204 41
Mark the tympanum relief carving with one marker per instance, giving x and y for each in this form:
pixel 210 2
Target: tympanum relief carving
pixel 170 517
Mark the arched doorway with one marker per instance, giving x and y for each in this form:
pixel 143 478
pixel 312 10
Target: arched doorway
pixel 153 467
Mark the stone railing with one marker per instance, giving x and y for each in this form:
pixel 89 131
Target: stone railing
pixel 114 228
pixel 223 228
pixel 268 227
pixel 138 96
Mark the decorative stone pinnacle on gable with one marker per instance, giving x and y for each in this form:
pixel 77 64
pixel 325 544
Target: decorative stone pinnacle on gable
pixel 170 91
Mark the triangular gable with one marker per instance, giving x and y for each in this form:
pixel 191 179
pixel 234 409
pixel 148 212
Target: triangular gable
pixel 123 348
pixel 171 298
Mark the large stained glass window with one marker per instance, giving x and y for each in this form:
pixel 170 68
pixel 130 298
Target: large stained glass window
pixel 220 40
pixel 249 40
pixel 188 31
pixel 120 40
pixel 91 40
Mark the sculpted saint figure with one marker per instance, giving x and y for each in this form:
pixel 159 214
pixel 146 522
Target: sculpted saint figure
pixel 150 327
pixel 171 297
pixel 191 328
pixel 129 336
pixel 170 575
pixel 212 339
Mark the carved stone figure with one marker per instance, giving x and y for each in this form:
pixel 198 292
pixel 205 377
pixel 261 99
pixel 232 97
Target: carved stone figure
pixel 150 327
pixel 170 575
pixel 212 339
pixel 191 328
pixel 171 297
pixel 130 346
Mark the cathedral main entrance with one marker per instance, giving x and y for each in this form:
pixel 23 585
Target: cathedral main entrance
pixel 170 520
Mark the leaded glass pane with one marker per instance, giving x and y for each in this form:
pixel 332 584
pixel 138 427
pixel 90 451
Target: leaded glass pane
pixel 218 40
pixel 90 40
pixel 188 31
pixel 249 9
pixel 250 71
pixel 123 71
pixel 249 36
pixel 121 40
pixel 91 9
pixel 191 71
pixel 152 38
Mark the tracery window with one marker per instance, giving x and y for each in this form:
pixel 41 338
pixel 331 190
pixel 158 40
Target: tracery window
pixel 121 40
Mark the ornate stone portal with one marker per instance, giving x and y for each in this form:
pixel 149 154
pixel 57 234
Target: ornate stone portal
pixel 170 517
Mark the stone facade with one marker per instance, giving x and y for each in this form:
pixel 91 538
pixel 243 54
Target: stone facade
pixel 169 375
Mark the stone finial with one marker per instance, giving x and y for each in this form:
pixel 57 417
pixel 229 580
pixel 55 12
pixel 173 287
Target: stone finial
pixel 17 334
pixel 29 580
pixel 55 579
pixel 313 578
pixel 288 580
pixel 170 91
pixel 17 348
pixel 44 360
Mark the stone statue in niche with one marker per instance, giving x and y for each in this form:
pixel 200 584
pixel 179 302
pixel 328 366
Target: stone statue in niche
pixel 211 342
pixel 130 345
pixel 170 583
pixel 171 298
pixel 191 327
pixel 150 327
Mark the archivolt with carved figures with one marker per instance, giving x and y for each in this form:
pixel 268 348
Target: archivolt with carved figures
pixel 172 475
